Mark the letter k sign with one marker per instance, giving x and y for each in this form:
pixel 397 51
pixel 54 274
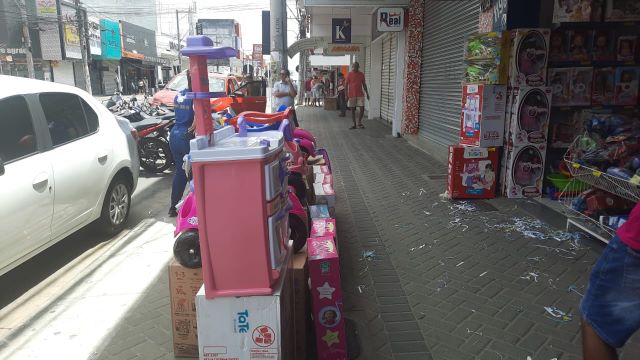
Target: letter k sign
pixel 341 31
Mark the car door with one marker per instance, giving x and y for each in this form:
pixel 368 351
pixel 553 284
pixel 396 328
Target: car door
pixel 251 96
pixel 26 183
pixel 80 159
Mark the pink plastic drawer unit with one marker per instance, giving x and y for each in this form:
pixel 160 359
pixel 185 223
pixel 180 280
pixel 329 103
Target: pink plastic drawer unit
pixel 240 186
pixel 326 297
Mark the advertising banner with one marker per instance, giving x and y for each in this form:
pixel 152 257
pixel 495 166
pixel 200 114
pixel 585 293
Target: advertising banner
pixel 71 39
pixel 346 49
pixel 138 42
pixel 94 36
pixel 341 31
pixel 257 52
pixel 390 19
pixel 49 30
pixel 110 40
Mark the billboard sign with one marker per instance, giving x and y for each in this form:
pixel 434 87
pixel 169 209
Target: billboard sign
pixel 138 42
pixel 341 31
pixel 390 19
pixel 94 36
pixel 71 39
pixel 257 52
pixel 49 30
pixel 110 40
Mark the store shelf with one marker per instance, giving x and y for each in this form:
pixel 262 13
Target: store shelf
pixel 604 181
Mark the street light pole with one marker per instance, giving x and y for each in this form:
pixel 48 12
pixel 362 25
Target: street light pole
pixel 83 47
pixel 27 38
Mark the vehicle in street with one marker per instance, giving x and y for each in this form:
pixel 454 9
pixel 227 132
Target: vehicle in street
pixel 153 142
pixel 65 162
pixel 250 96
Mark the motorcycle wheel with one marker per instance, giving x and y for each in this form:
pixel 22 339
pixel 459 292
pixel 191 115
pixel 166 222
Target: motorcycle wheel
pixel 186 250
pixel 155 154
pixel 299 232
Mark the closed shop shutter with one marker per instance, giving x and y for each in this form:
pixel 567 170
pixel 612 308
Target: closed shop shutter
pixel 387 98
pixel 447 25
pixel 367 70
pixel 63 73
pixel 109 77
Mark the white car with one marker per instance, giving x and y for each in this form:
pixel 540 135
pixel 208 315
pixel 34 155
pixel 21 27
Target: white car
pixel 65 162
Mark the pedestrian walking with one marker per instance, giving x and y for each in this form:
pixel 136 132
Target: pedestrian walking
pixel 318 91
pixel 283 90
pixel 355 85
pixel 611 306
pixel 307 92
pixel 179 143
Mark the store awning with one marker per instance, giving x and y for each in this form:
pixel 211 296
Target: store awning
pixel 306 44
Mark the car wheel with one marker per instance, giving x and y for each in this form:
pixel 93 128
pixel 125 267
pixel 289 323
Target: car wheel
pixel 299 232
pixel 115 209
pixel 186 250
pixel 155 154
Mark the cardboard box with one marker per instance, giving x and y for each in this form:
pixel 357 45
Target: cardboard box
pixel 184 284
pixel 576 11
pixel 472 172
pixel 326 298
pixel 301 305
pixel 325 194
pixel 581 84
pixel 524 170
pixel 324 227
pixel 530 111
pixel 627 79
pixel 482 118
pixel 560 83
pixel 330 103
pixel 319 212
pixel 579 45
pixel 622 10
pixel 529 56
pixel 604 86
pixel 602 45
pixel 323 179
pixel 248 327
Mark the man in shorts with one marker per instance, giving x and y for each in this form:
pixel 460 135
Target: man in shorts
pixel 355 85
pixel 611 307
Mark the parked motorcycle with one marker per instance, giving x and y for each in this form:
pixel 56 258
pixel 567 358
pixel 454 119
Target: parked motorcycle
pixel 153 144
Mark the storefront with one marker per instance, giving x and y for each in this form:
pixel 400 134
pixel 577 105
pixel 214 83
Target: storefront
pixel 108 62
pixel 137 73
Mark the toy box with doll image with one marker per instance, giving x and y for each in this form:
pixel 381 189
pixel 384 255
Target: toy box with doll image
pixel 626 48
pixel 524 169
pixel 579 45
pixel 627 85
pixel 622 10
pixel 604 86
pixel 530 112
pixel 560 83
pixel 565 124
pixel 472 172
pixel 558 46
pixel 581 81
pixel 482 118
pixel 572 10
pixel 602 45
pixel 529 55
pixel 323 227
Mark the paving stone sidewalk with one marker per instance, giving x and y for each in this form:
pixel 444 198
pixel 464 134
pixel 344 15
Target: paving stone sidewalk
pixel 424 278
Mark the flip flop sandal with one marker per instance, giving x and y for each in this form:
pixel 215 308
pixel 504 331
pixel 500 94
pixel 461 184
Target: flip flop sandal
pixel 361 126
pixel 352 127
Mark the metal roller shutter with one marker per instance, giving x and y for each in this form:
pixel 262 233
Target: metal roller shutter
pixel 367 70
pixel 109 77
pixel 446 27
pixel 387 98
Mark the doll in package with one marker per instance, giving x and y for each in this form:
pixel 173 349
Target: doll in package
pixel 578 46
pixel 581 86
pixel 626 49
pixel 602 45
pixel 604 86
pixel 527 167
pixel 572 11
pixel 627 85
pixel 557 46
pixel 560 82
pixel 533 117
pixel 530 57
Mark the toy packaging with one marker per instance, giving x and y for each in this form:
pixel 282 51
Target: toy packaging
pixel 579 45
pixel 602 45
pixel 524 168
pixel 530 112
pixel 558 46
pixel 622 10
pixel 323 179
pixel 323 227
pixel 184 284
pixel 581 80
pixel 627 85
pixel 604 86
pixel 321 169
pixel 484 46
pixel 482 118
pixel 319 212
pixel 483 71
pixel 626 48
pixel 529 54
pixel 325 194
pixel 572 11
pixel 560 82
pixel 472 172
pixel 565 124
pixel 326 298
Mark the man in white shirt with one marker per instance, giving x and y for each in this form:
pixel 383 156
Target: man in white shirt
pixel 284 91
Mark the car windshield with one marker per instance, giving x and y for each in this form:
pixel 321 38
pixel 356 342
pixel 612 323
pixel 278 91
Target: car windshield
pixel 179 83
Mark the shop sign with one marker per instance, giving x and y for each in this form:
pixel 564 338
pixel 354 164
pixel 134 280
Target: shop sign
pixel 390 19
pixel 12 51
pixel 341 31
pixel 94 36
pixel 353 3
pixel 346 49
pixel 257 52
pixel 49 30
pixel 138 42
pixel 110 40
pixel 71 39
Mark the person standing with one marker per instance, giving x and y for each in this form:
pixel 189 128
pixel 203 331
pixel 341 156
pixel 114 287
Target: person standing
pixel 284 91
pixel 307 92
pixel 611 306
pixel 355 85
pixel 342 99
pixel 179 143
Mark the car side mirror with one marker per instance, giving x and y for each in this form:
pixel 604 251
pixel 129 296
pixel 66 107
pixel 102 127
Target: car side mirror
pixel 1 167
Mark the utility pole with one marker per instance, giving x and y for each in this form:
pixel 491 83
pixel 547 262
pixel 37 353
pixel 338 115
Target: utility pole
pixel 82 34
pixel 179 42
pixel 27 38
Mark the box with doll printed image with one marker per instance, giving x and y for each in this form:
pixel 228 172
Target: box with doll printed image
pixel 574 10
pixel 558 46
pixel 622 10
pixel 529 55
pixel 560 83
pixel 579 46
pixel 602 45
pixel 581 80
pixel 604 86
pixel 626 47
pixel 627 85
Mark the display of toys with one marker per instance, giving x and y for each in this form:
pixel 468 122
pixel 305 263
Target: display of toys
pixel 572 11
pixel 484 46
pixel 530 112
pixel 560 82
pixel 524 171
pixel 626 48
pixel 483 71
pixel 604 86
pixel 581 80
pixel 622 10
pixel 602 45
pixel 579 47
pixel 558 46
pixel 597 202
pixel 323 227
pixel 627 85
pixel 472 172
pixel 565 124
pixel 482 118
pixel 529 57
